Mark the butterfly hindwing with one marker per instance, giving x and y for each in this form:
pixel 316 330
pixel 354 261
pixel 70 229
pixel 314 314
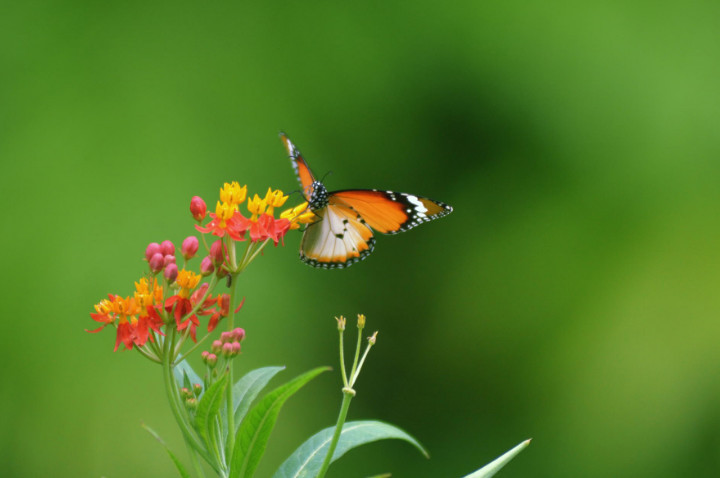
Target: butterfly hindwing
pixel 302 171
pixel 390 212
pixel 338 239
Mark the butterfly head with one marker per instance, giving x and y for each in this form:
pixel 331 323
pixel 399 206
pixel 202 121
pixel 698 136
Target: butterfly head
pixel 318 197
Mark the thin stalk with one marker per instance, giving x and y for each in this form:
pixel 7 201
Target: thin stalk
pixel 342 359
pixel 357 355
pixel 229 388
pixel 347 397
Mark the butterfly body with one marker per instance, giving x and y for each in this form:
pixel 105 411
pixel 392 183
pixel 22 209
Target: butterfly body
pixel 343 232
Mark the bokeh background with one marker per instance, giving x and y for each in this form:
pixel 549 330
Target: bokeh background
pixel 572 296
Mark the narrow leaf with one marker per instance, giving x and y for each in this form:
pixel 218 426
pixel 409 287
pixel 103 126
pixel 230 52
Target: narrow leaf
pixel 183 369
pixel 307 460
pixel 208 407
pixel 178 464
pixel 494 466
pixel 247 389
pixel 254 431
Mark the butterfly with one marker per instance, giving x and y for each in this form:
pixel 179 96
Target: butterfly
pixel 343 232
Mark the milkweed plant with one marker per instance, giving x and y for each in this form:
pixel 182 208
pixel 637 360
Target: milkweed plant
pixel 178 307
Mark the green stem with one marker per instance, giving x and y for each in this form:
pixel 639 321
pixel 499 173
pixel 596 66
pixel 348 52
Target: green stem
pixel 342 359
pixel 348 394
pixel 178 410
pixel 357 355
pixel 229 388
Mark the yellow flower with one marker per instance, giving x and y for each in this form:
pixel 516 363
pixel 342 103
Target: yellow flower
pixel 233 194
pixel 223 212
pixel 256 206
pixel 187 280
pixel 299 215
pixel 274 199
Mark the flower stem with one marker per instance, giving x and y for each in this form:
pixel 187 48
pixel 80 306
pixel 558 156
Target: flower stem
pixel 229 388
pixel 348 394
pixel 179 412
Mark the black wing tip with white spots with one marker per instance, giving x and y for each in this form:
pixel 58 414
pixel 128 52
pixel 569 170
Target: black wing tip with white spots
pixel 414 209
pixel 339 265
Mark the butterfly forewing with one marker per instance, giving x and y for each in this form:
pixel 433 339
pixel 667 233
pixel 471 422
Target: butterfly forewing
pixel 302 171
pixel 338 239
pixel 390 212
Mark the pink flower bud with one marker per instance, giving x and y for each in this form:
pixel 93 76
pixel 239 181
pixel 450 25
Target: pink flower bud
pixel 171 272
pixel 190 247
pixel 169 259
pixel 185 393
pixel 235 348
pixel 206 266
pixel 167 248
pixel 217 252
pixel 152 249
pixel 227 350
pixel 204 355
pixel 198 209
pixel 238 334
pixel 156 263
pixel 197 389
pixel 216 346
pixel 191 403
pixel 212 360
pixel 225 337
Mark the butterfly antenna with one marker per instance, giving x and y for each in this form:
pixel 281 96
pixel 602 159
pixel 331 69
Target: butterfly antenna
pixel 326 175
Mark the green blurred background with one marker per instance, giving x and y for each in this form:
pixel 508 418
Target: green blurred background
pixel 572 296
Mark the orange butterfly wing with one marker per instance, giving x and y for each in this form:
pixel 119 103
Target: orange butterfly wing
pixel 302 171
pixel 390 212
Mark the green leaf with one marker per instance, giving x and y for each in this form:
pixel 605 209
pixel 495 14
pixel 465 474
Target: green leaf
pixel 307 460
pixel 208 408
pixel 253 434
pixel 247 389
pixel 180 467
pixel 182 371
pixel 494 466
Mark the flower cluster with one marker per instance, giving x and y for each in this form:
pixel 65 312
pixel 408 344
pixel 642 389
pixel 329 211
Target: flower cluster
pixel 171 299
pixel 260 226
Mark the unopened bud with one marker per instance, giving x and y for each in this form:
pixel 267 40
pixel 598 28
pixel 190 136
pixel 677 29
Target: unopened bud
pixel 167 248
pixel 171 272
pixel 212 360
pixel 191 403
pixel 197 389
pixel 225 337
pixel 206 266
pixel 169 259
pixel 216 346
pixel 185 393
pixel 361 321
pixel 235 347
pixel 152 249
pixel 198 208
pixel 190 247
pixel 238 334
pixel 341 322
pixel 217 252
pixel 204 355
pixel 227 350
pixel 156 262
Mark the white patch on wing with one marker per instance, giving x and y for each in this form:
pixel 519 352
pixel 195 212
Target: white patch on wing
pixel 420 208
